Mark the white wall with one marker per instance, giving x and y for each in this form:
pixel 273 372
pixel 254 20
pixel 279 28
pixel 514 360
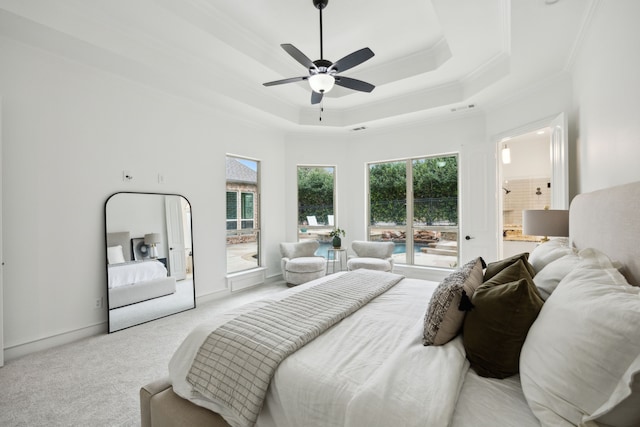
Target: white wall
pixel 606 92
pixel 461 133
pixel 69 132
pixel 139 215
pixel 530 158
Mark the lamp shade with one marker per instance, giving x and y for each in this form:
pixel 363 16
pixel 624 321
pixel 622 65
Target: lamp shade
pixel 152 238
pixel 321 82
pixel 545 222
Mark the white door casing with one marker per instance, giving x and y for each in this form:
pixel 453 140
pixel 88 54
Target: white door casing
pixel 175 238
pixel 1 254
pixel 559 163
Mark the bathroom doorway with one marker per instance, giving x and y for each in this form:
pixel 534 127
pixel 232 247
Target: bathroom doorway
pixel 525 171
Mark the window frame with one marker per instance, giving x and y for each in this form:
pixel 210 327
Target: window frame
pixel 409 228
pixel 317 232
pixel 241 232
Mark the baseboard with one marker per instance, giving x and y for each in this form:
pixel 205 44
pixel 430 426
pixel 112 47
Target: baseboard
pixel 245 279
pixel 17 351
pixel 434 274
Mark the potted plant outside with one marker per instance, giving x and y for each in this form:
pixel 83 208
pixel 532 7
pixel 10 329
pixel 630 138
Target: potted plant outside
pixel 337 241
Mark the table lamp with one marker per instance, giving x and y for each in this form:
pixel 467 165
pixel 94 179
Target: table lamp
pixel 545 222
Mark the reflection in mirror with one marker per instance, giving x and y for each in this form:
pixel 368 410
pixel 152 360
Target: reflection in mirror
pixel 149 257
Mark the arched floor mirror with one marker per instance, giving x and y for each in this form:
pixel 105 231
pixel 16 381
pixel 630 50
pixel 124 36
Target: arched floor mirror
pixel 149 257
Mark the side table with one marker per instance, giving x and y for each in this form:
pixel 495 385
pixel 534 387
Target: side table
pixel 336 260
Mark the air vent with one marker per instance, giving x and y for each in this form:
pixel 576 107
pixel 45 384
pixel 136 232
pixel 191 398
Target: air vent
pixel 463 107
pixel 358 128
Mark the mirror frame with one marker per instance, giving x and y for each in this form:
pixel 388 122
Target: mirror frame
pixel 111 328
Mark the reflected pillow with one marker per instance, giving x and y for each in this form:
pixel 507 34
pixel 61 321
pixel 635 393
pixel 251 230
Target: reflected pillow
pixel 496 267
pixel 115 255
pixel 445 316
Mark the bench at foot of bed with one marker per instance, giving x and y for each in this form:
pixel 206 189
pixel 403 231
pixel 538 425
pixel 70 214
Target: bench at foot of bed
pixel 161 407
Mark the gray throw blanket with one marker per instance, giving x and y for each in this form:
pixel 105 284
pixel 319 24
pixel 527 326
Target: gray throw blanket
pixel 236 362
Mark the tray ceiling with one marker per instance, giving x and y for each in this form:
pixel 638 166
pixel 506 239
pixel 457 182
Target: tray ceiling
pixel 430 56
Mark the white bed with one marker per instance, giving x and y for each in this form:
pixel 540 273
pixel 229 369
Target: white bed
pixel 131 281
pixel 371 369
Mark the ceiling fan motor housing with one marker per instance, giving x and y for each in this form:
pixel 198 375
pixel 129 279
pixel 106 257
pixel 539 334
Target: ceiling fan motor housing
pixel 322 65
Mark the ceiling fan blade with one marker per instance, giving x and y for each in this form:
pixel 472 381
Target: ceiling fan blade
pixel 283 81
pixel 354 84
pixel 316 97
pixel 351 60
pixel 299 56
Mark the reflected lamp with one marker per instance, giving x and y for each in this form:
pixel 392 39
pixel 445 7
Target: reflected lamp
pixel 152 239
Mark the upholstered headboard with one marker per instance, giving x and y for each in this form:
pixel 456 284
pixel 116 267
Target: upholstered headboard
pixel 609 220
pixel 122 238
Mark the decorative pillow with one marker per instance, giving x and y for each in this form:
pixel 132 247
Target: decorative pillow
pixel 115 255
pixel 582 344
pixel 547 252
pixel 495 267
pixel 495 329
pixel 445 314
pixel 548 278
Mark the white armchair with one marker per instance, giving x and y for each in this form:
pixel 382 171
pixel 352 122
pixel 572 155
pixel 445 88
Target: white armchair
pixel 371 255
pixel 299 264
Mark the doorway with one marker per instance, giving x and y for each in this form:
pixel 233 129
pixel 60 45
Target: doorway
pixel 525 164
pixel 532 174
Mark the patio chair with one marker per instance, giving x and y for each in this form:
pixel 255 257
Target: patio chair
pixel 299 264
pixel 371 255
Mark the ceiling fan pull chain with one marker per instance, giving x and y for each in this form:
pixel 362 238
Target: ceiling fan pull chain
pixel 321 110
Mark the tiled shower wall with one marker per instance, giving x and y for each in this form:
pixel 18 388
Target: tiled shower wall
pixel 524 195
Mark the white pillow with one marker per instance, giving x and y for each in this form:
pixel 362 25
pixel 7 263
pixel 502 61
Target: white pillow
pixel 623 407
pixel 548 252
pixel 115 255
pixel 582 344
pixel 547 279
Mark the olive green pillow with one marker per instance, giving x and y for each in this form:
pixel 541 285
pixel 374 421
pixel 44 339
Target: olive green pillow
pixel 495 329
pixel 496 267
pixel 511 273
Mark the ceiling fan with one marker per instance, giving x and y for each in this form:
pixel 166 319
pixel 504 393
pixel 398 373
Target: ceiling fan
pixel 323 74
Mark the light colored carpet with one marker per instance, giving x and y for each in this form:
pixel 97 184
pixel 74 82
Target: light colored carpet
pixel 96 381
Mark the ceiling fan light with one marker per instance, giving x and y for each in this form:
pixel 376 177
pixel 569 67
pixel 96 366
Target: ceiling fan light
pixel 322 82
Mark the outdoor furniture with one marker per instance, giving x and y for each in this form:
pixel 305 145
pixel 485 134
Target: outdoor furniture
pixel 299 264
pixel 371 255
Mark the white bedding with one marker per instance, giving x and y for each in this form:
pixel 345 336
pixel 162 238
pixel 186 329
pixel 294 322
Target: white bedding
pixel 370 369
pixel 135 272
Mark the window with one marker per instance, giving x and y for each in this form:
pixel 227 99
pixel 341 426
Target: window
pixel 232 210
pixel 316 204
pixel 243 230
pixel 247 210
pixel 426 190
